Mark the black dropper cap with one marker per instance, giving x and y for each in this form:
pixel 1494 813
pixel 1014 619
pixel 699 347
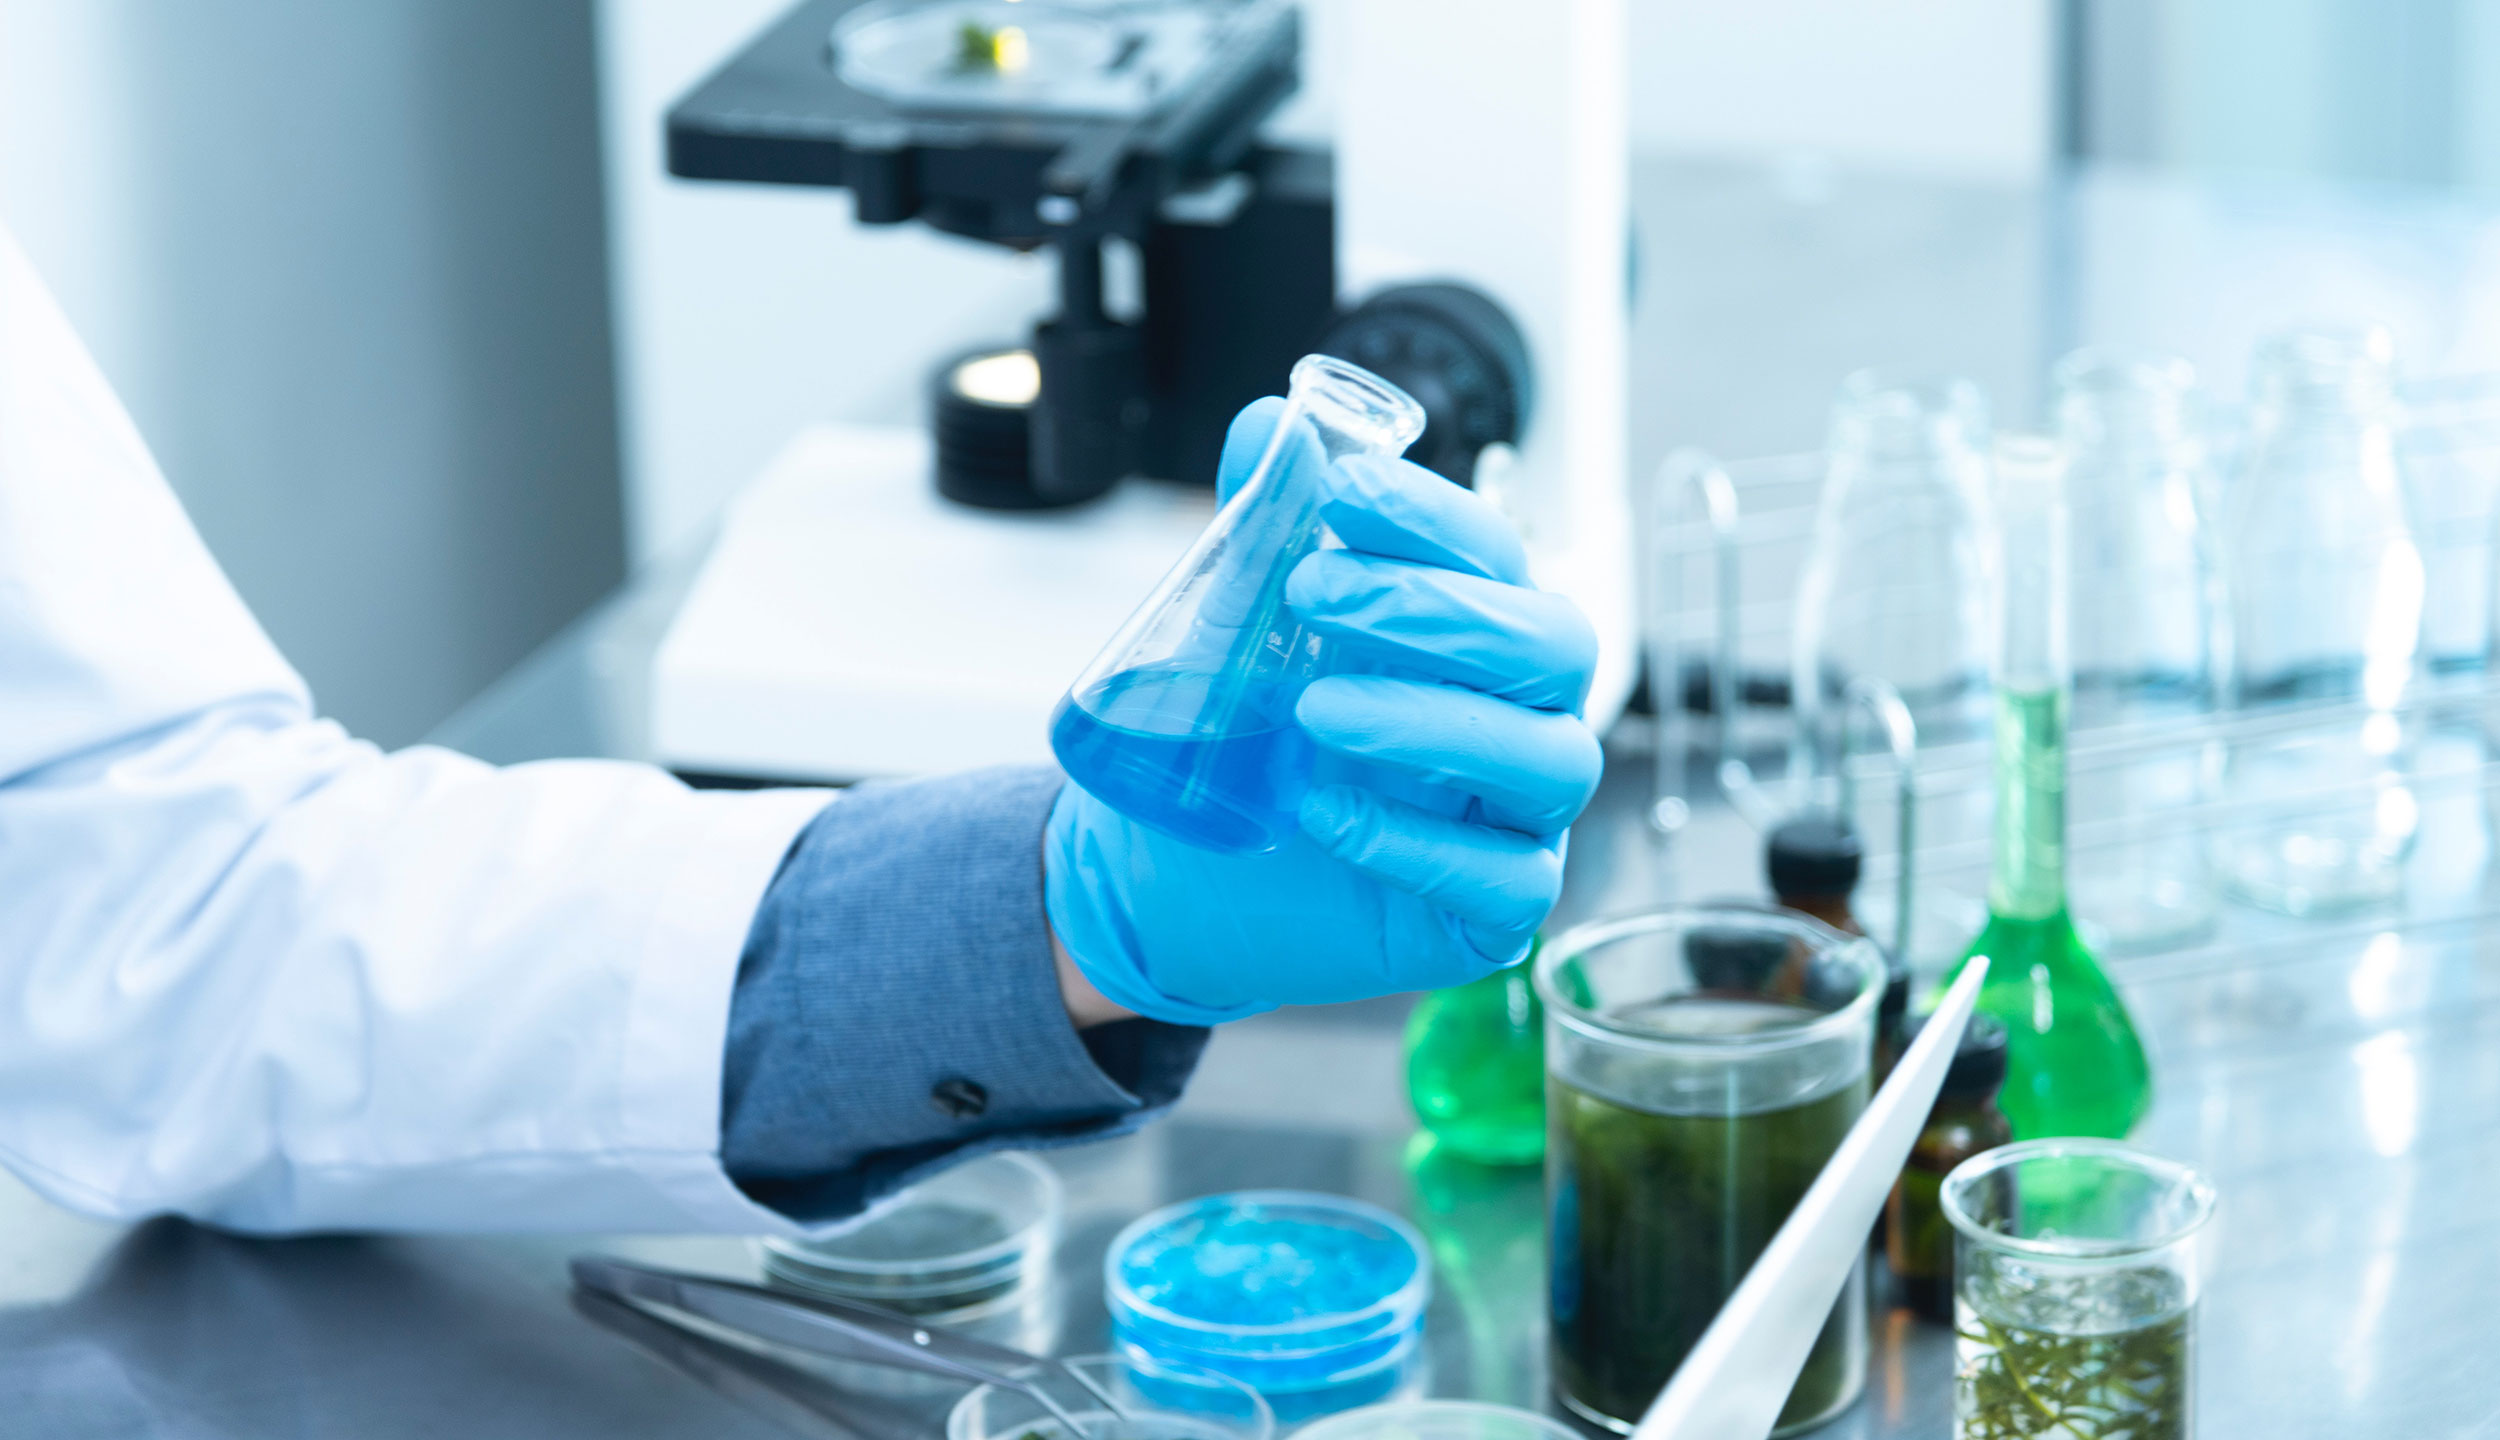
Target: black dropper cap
pixel 1978 1066
pixel 1818 854
pixel 1732 960
pixel 1815 854
pixel 1892 1007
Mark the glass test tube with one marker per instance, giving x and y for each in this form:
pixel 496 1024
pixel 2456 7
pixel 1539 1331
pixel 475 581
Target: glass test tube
pixel 1185 721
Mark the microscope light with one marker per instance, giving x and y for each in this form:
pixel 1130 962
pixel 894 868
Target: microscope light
pixel 1004 377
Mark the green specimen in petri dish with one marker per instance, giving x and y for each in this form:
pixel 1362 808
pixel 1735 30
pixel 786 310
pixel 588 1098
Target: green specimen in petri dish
pixel 1657 1217
pixel 981 48
pixel 976 46
pixel 2032 1366
pixel 1475 1067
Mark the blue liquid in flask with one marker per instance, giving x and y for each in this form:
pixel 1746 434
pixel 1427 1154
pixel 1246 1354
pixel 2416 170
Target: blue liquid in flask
pixel 1184 723
pixel 1135 742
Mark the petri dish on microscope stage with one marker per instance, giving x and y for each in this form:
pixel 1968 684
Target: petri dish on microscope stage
pixel 965 1248
pixel 1070 59
pixel 1317 1301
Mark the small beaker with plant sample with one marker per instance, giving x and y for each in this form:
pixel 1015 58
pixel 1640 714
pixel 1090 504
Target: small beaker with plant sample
pixel 2075 1290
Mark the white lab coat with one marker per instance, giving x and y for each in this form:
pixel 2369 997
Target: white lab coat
pixel 258 972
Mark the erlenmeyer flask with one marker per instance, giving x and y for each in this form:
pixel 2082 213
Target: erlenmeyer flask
pixel 1475 1067
pixel 1896 583
pixel 2144 639
pixel 2326 609
pixel 1185 722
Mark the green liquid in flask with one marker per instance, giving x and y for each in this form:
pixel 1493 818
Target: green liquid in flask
pixel 1475 1067
pixel 2073 1063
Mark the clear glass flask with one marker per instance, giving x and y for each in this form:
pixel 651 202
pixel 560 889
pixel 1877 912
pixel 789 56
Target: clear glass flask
pixel 2074 1065
pixel 2076 1279
pixel 2326 612
pixel 1184 722
pixel 1703 1064
pixel 2143 620
pixel 1895 584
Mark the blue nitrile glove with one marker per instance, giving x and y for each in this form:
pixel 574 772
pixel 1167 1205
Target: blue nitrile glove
pixel 1438 866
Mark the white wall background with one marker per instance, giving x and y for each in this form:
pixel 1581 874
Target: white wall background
pixel 345 264
pixel 2368 90
pixel 746 311
pixel 1943 88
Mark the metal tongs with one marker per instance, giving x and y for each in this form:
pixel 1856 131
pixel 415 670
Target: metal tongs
pixel 1737 1376
pixel 840 1330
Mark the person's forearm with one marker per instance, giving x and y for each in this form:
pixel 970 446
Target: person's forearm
pixel 1087 1006
pixel 903 1002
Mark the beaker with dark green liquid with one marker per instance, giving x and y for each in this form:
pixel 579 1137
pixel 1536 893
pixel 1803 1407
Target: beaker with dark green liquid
pixel 2073 1063
pixel 1703 1064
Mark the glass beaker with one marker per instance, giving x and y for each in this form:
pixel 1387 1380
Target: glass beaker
pixel 1704 1063
pixel 1184 722
pixel 2326 611
pixel 2075 1289
pixel 1895 584
pixel 2143 617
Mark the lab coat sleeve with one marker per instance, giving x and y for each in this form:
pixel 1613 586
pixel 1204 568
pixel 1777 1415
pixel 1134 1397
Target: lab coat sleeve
pixel 870 1044
pixel 257 972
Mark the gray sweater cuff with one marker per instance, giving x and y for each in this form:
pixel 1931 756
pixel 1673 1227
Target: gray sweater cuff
pixel 897 1009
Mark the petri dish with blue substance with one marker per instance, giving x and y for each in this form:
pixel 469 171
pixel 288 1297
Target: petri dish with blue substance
pixel 1316 1301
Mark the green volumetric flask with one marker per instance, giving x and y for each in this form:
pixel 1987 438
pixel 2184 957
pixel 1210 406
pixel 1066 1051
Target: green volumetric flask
pixel 1475 1067
pixel 2073 1065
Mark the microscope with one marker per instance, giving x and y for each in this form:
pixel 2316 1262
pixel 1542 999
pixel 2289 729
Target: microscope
pixel 1463 238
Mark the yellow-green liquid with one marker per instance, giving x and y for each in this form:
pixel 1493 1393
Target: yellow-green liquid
pixel 2109 1357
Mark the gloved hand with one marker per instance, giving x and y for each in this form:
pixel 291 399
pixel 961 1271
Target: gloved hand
pixel 1440 864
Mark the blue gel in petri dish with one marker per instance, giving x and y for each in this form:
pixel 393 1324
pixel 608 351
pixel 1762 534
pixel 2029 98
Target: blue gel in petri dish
pixel 1315 1301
